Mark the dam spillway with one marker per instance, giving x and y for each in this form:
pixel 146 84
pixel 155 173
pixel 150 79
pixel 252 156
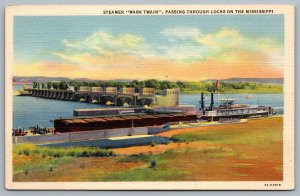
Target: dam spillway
pixel 111 96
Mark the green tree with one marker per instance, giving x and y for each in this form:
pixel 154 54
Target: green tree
pixel 141 85
pixel 109 83
pixel 119 84
pixel 152 83
pixel 180 84
pixel 135 84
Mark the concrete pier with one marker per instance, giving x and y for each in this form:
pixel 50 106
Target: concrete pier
pixel 98 97
pixel 125 97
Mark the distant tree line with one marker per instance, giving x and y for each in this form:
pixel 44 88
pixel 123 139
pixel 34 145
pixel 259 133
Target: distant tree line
pixel 184 86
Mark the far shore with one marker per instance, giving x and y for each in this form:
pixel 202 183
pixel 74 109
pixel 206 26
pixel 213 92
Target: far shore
pixel 206 92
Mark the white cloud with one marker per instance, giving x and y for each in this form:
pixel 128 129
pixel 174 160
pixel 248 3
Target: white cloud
pixel 231 39
pixel 103 44
pixel 182 44
pixel 182 33
pixel 190 44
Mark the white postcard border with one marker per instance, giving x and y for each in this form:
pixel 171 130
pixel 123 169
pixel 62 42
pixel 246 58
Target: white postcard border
pixel 53 10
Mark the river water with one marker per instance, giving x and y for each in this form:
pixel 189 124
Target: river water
pixel 31 111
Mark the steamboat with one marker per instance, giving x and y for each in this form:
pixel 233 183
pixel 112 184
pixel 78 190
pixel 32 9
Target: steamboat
pixel 229 110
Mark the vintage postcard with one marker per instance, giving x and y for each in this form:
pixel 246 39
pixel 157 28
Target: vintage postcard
pixel 149 97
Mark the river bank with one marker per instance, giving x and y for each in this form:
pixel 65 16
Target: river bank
pixel 241 152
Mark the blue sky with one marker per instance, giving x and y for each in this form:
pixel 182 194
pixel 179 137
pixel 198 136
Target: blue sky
pixel 52 39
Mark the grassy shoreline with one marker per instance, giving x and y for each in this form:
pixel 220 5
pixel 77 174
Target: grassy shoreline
pixel 240 152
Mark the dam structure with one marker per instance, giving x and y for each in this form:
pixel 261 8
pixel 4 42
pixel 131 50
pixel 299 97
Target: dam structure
pixel 111 96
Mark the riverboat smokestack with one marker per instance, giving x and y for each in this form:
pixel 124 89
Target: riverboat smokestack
pixel 211 101
pixel 202 102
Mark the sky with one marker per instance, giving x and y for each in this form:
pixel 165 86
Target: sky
pixel 188 48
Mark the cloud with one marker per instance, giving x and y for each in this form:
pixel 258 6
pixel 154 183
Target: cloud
pixel 181 33
pixel 107 41
pixel 227 39
pixel 182 44
pixel 187 54
pixel 188 44
pixel 103 45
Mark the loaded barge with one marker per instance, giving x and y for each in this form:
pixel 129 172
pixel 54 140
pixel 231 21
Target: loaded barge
pixel 120 121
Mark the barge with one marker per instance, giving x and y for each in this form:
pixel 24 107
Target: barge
pixel 120 121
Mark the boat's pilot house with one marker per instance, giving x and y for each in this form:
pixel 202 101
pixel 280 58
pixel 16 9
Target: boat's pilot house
pixel 226 102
